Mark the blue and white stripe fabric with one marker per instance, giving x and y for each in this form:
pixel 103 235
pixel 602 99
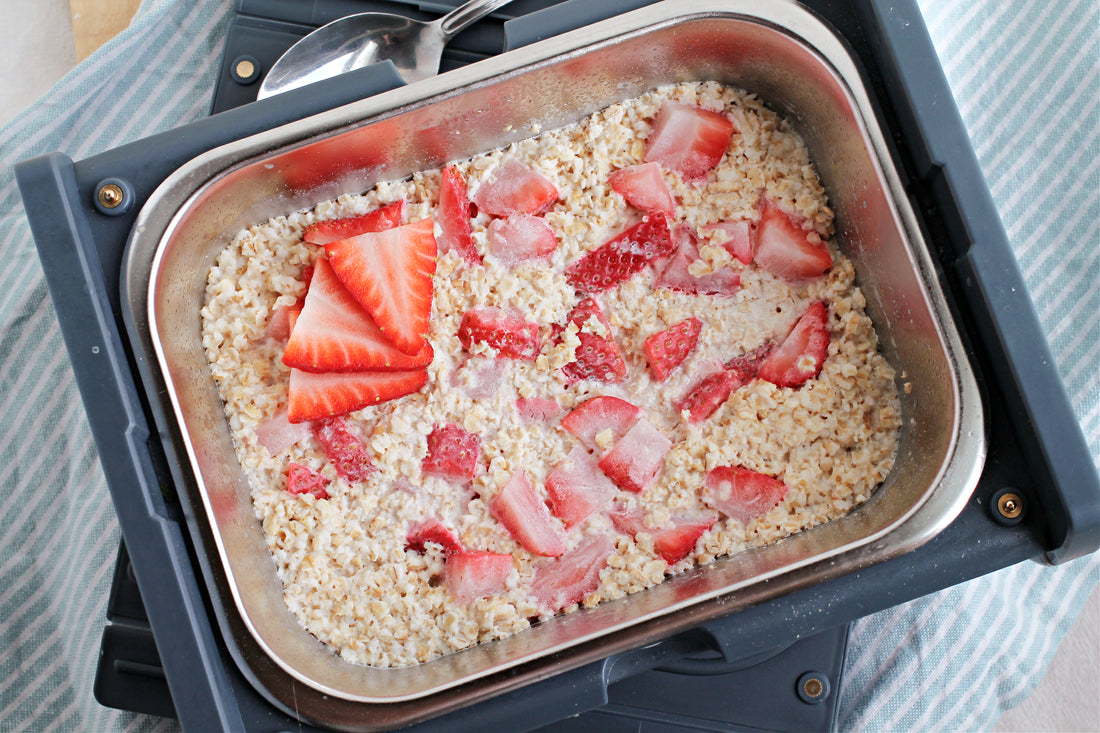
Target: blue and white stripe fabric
pixel 1025 75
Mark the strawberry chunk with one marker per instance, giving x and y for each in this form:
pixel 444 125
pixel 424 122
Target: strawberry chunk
pixel 344 450
pixel 390 274
pixel 592 417
pixel 452 453
pixel 598 356
pixel 514 188
pixel 527 518
pixel 456 232
pixel 740 493
pixel 537 410
pixel 281 322
pixel 675 543
pixel 636 458
pixel 577 488
pixel 787 246
pixel 737 237
pixel 431 530
pixel 710 393
pixel 676 275
pixel 623 256
pixel 800 356
pixel 627 520
pixel 301 480
pixel 384 217
pixel 277 433
pixel 480 377
pixel 317 396
pixel 644 187
pixel 748 364
pixel 334 333
pixel 502 329
pixel 688 139
pixel 521 237
pixel 568 579
pixel 666 350
pixel 474 574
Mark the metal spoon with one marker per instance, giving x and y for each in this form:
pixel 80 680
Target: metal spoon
pixel 356 41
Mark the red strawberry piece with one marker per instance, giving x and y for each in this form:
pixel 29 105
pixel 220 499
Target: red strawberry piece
pixel 472 575
pixel 710 393
pixel 456 233
pixel 527 518
pixel 431 530
pixel 514 188
pixel 334 333
pixel 390 274
pixel 675 543
pixel 748 364
pixel 281 322
pixel 803 351
pixel 452 453
pixel 666 350
pixel 317 396
pixel 385 217
pixel 623 256
pixel 628 521
pixel 480 377
pixel 636 458
pixel 503 329
pixel 740 493
pixel 644 187
pixel 597 356
pixel 787 247
pixel 277 433
pixel 688 139
pixel 737 237
pixel 598 414
pixel 537 410
pixel 676 275
pixel 577 487
pixel 568 579
pixel 344 450
pixel 301 480
pixel 521 237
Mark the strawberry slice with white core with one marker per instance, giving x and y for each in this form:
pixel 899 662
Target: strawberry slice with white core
pixel 605 413
pixel 742 494
pixel 568 579
pixel 688 139
pixel 737 237
pixel 301 480
pixel 384 217
pixel 475 574
pixel 623 256
pixel 521 237
pixel 666 350
pixel 527 518
pixel 390 274
pixel 431 530
pixel 597 356
pixel 453 453
pixel 635 459
pixel 278 433
pixel 677 275
pixel 317 396
pixel 577 488
pixel 787 246
pixel 537 410
pixel 800 356
pixel 334 333
pixel 503 329
pixel 346 452
pixel 456 231
pixel 677 542
pixel 644 188
pixel 513 188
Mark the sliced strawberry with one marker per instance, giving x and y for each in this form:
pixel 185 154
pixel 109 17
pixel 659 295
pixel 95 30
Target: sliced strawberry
pixel 527 518
pixel 568 579
pixel 688 139
pixel 577 487
pixel 390 274
pixel 301 480
pixel 503 329
pixel 431 530
pixel 740 493
pixel 666 350
pixel 636 458
pixel 480 377
pixel 456 232
pixel 675 543
pixel 593 416
pixel 537 410
pixel 344 450
pixel 644 187
pixel 317 396
pixel 598 356
pixel 452 453
pixel 628 521
pixel 737 237
pixel 384 217
pixel 786 245
pixel 282 321
pixel 623 256
pixel 710 393
pixel 514 188
pixel 334 334
pixel 676 275
pixel 748 364
pixel 803 351
pixel 277 433
pixel 521 237
pixel 472 575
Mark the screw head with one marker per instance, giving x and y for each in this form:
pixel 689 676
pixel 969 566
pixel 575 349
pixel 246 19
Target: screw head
pixel 244 70
pixel 111 195
pixel 1007 507
pixel 813 688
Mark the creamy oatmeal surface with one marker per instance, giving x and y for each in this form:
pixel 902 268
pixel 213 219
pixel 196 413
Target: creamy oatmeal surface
pixel 347 573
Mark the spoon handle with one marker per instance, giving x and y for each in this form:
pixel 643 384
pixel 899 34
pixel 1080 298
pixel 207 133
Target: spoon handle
pixel 465 14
